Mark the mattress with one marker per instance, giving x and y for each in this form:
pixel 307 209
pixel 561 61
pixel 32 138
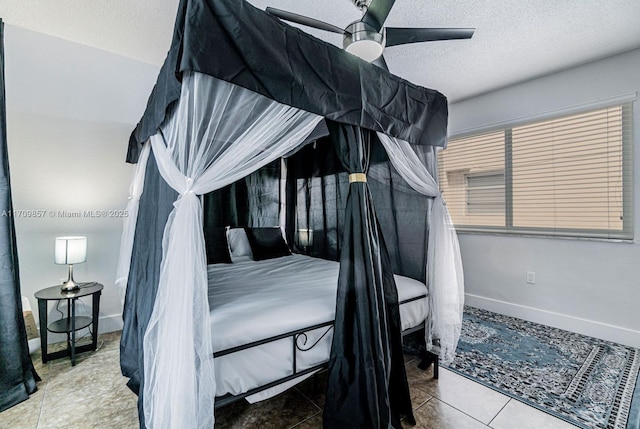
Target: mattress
pixel 254 300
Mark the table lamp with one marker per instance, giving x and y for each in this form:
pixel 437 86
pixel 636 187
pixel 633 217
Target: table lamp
pixel 69 251
pixel 305 238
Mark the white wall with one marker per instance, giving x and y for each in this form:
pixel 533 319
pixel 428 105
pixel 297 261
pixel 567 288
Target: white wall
pixel 70 110
pixel 587 286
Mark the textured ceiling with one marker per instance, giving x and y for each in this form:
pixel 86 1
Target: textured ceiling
pixel 515 40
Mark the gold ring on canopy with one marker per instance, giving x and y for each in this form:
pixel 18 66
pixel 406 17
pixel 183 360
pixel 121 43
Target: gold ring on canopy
pixel 357 177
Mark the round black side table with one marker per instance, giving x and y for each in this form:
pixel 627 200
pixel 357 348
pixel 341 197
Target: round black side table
pixel 70 324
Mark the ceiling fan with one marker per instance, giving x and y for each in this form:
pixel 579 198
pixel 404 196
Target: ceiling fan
pixel 367 38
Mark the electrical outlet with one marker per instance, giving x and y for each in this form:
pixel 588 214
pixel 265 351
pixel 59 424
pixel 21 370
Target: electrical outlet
pixel 531 277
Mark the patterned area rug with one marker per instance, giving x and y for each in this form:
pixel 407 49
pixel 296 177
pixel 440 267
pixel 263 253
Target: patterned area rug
pixel 585 381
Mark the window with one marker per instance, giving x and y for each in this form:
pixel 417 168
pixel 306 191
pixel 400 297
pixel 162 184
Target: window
pixel 485 193
pixel 568 176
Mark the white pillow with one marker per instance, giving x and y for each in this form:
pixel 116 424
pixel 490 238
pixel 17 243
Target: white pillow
pixel 239 247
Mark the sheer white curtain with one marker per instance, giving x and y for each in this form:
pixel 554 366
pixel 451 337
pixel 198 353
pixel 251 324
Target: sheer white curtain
pixel 216 134
pixel 129 225
pixel 444 265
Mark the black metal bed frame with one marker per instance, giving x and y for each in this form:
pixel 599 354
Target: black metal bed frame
pixel 295 336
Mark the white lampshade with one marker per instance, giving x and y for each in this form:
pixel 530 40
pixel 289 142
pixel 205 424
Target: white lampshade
pixel 70 250
pixel 305 237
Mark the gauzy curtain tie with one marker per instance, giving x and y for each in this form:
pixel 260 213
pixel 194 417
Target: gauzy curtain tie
pixel 357 177
pixel 189 182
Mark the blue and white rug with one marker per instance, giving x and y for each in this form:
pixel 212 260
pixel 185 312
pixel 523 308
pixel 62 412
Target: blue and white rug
pixel 585 381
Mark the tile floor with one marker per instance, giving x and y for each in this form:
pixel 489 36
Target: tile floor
pixel 93 395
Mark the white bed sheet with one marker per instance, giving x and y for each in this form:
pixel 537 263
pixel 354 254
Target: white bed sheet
pixel 253 300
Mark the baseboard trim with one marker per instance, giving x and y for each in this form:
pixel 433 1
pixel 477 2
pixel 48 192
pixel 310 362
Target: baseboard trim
pixel 110 323
pixel 616 334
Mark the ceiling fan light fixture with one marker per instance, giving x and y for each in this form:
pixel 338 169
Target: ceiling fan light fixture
pixel 363 41
pixel 368 37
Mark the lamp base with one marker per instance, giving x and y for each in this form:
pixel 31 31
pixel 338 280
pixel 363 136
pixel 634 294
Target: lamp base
pixel 70 285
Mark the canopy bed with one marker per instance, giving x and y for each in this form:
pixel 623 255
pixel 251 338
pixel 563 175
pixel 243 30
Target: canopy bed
pixel 239 92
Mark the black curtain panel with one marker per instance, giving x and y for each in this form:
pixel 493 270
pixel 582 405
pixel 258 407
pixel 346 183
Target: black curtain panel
pixel 403 216
pixel 228 206
pixel 367 385
pixel 317 187
pixel 17 377
pixel 156 203
pixel 251 201
pixel 263 196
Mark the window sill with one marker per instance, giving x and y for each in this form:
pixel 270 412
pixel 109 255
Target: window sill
pixel 541 235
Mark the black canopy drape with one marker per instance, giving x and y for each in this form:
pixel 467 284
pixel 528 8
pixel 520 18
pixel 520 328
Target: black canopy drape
pixel 253 201
pixel 367 384
pixel 317 187
pixel 156 203
pixel 18 377
pixel 233 41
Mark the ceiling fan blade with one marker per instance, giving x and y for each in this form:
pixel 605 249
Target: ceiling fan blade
pixel 377 13
pixel 380 62
pixel 304 20
pixel 402 36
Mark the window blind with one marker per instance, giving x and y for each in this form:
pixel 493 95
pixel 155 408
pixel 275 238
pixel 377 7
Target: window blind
pixel 485 193
pixel 567 176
